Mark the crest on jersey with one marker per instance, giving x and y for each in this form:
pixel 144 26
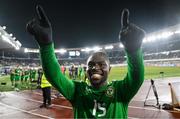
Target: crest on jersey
pixel 87 91
pixel 110 92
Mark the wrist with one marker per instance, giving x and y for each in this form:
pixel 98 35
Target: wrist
pixel 132 51
pixel 46 47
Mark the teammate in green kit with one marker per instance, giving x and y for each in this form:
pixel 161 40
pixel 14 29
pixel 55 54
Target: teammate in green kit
pixel 32 74
pixel 100 99
pixel 12 76
pixel 26 76
pixel 81 72
pixel 18 73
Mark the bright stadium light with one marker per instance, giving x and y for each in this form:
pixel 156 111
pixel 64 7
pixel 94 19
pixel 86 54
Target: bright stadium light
pixel 17 48
pixel 86 49
pixel 27 50
pixel 14 38
pixel 121 45
pixel 14 44
pixel 61 51
pixel 18 43
pixel 177 31
pixel 167 34
pixel 11 34
pixel 8 38
pixel 4 27
pixel 155 37
pixel 96 48
pixel 109 47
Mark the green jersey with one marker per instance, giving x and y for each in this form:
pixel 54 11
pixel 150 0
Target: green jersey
pixel 18 72
pixel 12 74
pixel 109 101
pixel 33 74
pixel 26 74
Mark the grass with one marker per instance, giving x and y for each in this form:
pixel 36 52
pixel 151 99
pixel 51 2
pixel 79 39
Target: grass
pixel 117 73
pixel 151 72
pixel 8 86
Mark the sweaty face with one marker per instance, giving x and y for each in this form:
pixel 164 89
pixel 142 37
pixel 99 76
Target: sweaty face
pixel 98 69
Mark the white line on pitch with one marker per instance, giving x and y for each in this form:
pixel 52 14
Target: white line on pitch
pixel 67 107
pixel 52 96
pixel 26 111
pixel 71 107
pixel 9 113
pixel 147 108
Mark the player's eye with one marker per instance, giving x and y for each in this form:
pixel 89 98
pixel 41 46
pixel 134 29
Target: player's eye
pixel 102 64
pixel 91 65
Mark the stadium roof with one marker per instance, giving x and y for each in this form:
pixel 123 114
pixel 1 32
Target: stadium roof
pixel 160 35
pixel 77 23
pixel 5 45
pixel 7 41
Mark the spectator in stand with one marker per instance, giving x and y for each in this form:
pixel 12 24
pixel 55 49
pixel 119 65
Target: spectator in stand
pixel 63 69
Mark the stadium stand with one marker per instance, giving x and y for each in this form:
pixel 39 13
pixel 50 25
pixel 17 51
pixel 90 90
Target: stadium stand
pixel 163 51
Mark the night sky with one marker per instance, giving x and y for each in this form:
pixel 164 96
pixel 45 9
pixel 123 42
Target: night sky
pixel 80 23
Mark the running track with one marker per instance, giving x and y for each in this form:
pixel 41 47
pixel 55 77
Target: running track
pixel 25 104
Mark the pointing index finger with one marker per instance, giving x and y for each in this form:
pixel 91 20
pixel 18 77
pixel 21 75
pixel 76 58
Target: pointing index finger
pixel 125 18
pixel 42 15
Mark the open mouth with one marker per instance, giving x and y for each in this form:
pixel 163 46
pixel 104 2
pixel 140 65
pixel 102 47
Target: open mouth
pixel 97 75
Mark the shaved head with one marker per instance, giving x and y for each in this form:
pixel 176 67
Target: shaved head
pixel 97 55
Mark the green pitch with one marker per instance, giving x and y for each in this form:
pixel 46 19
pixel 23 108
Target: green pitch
pixel 117 73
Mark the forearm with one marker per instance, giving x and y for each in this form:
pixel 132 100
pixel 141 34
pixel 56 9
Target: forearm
pixel 135 75
pixel 135 67
pixel 52 72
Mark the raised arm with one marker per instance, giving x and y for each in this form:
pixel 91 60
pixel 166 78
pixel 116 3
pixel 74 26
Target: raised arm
pixel 131 37
pixel 41 29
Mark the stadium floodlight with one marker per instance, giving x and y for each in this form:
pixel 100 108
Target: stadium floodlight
pixel 4 27
pixel 109 47
pixel 17 48
pixel 167 34
pixel 61 51
pixel 96 48
pixel 177 32
pixel 121 45
pixel 27 50
pixel 86 49
pixel 159 36
pixel 14 38
pixel 18 43
pixel 8 38
pixel 11 34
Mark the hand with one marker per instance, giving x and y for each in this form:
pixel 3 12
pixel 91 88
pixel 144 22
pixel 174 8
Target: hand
pixel 40 27
pixel 130 35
